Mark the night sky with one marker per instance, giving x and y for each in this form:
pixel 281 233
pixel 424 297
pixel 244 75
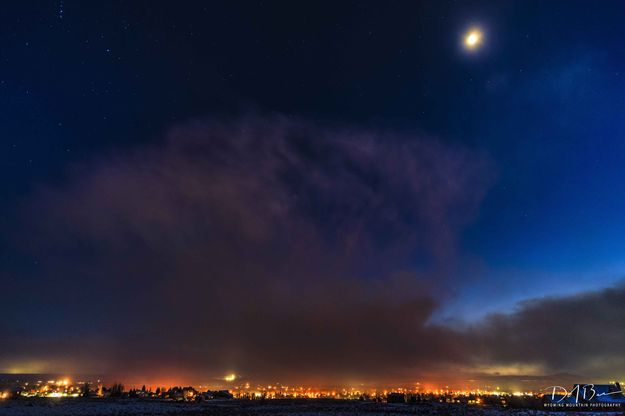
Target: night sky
pixel 317 192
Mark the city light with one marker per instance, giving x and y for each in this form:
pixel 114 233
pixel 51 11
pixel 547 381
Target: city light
pixel 247 390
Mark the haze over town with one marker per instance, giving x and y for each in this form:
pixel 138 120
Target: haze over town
pixel 319 195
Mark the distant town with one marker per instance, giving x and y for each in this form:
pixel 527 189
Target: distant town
pixel 67 388
pixel 28 395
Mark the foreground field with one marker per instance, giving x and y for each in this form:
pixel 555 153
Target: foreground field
pixel 79 407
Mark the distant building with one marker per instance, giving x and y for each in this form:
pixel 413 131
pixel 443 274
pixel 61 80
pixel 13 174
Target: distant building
pixel 396 398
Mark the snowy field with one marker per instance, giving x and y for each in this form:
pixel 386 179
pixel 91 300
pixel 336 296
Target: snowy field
pixel 78 407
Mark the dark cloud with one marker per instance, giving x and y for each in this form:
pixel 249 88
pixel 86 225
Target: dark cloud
pixel 277 249
pixel 266 246
pixel 579 334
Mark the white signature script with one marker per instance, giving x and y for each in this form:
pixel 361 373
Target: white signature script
pixel 586 391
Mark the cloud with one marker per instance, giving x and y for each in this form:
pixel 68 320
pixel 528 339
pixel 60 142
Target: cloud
pixel 577 334
pixel 263 245
pixel 276 248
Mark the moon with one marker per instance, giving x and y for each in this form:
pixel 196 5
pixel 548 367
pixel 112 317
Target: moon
pixel 473 39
